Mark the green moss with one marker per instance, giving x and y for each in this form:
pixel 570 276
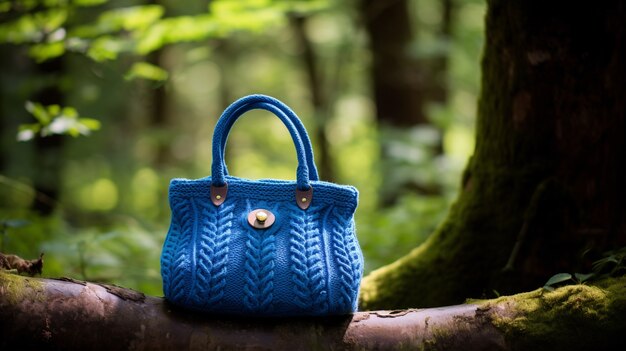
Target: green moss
pixel 575 317
pixel 17 288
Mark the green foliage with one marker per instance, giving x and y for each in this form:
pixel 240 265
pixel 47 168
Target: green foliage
pixel 613 264
pixel 127 255
pixel 558 278
pixel 33 27
pixel 387 234
pixel 55 119
pixel 147 71
pixel 55 27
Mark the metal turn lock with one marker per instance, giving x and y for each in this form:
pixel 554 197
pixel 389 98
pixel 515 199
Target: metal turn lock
pixel 261 218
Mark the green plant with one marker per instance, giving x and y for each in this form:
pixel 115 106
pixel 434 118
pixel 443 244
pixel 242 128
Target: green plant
pixel 613 264
pixel 54 119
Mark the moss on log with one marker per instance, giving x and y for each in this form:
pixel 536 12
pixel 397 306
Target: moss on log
pixel 38 313
pixel 551 320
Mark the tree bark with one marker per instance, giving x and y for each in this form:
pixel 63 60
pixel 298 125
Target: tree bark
pixel 49 150
pixel 395 77
pixel 546 181
pixel 319 99
pixel 437 86
pixel 402 86
pixel 48 314
pixel 158 107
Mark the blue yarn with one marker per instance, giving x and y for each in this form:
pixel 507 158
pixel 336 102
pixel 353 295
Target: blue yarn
pixel 175 261
pixel 348 263
pixel 307 263
pixel 259 276
pixel 228 118
pixel 307 266
pixel 258 101
pixel 211 252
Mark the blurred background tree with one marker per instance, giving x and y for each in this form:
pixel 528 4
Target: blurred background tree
pixel 387 90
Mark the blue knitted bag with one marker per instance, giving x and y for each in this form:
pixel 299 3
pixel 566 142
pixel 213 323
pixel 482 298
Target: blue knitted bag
pixel 262 247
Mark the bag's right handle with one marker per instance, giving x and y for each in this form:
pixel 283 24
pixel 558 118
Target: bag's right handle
pixel 259 98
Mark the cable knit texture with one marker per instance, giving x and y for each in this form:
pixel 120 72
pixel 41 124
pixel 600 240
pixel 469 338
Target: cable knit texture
pixel 306 253
pixel 307 263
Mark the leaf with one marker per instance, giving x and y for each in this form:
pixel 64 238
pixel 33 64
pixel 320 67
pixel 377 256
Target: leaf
pixel 69 112
pixel 38 111
pixel 581 277
pixel 130 18
pixel 115 20
pixel 87 3
pixel 53 110
pixel 558 278
pixel 43 52
pixel 68 125
pixel 59 125
pixel 147 71
pixel 27 132
pixel 90 123
pixel 25 135
pixel 303 6
pixel 106 48
pixel 599 265
pixel 54 119
pixel 176 30
pixel 32 28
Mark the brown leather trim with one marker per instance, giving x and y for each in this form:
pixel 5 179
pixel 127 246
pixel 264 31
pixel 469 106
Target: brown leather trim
pixel 304 198
pixel 254 222
pixel 218 194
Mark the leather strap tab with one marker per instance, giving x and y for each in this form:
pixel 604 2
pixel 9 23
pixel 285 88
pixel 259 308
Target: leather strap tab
pixel 304 198
pixel 218 194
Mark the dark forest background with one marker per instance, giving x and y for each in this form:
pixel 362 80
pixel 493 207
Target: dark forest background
pixel 103 102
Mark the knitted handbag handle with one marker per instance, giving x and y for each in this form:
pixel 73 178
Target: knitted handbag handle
pixel 228 118
pixel 258 98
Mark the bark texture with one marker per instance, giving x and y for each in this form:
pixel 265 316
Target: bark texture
pixel 49 150
pixel 52 314
pixel 395 75
pixel 546 181
pixel 319 98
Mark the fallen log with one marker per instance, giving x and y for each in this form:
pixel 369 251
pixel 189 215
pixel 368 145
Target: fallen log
pixel 38 313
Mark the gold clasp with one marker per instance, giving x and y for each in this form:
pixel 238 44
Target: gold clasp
pixel 261 218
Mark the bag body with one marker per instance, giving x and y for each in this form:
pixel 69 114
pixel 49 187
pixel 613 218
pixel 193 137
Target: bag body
pixel 262 247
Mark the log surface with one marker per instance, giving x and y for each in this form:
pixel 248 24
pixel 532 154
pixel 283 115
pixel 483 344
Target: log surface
pixel 38 313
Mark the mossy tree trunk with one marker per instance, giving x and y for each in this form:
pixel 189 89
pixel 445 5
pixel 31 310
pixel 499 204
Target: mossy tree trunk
pixel 547 178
